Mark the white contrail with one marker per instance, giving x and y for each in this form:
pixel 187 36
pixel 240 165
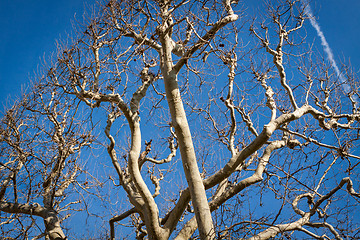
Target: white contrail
pixel 326 47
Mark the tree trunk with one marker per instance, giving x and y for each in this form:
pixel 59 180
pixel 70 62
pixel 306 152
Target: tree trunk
pixel 191 169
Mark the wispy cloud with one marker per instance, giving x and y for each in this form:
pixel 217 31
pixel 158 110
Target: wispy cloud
pixel 326 47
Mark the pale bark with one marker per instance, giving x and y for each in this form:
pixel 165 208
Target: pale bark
pixel 180 123
pixel 188 156
pixel 273 231
pixel 224 194
pixel 305 216
pixel 51 220
pixel 121 54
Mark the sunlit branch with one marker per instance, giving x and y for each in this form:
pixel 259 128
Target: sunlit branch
pixel 222 196
pixel 305 220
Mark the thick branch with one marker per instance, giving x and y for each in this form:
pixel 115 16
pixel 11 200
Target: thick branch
pixel 51 220
pixel 191 225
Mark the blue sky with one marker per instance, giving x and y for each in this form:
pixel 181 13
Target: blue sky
pixel 31 28
pixel 29 32
pixel 340 22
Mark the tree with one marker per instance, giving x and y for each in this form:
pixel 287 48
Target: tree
pixel 267 132
pixel 41 140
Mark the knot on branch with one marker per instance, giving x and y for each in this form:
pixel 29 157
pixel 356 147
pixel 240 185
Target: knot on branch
pixel 178 49
pixel 146 76
pixel 292 143
pixel 342 152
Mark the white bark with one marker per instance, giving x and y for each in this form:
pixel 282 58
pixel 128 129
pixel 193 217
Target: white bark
pixel 188 156
pixel 51 220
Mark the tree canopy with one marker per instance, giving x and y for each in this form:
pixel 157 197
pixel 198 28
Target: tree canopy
pixel 182 120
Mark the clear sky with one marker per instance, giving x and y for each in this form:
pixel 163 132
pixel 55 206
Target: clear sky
pixel 29 30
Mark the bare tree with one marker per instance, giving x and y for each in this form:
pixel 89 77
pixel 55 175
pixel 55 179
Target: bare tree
pixel 41 138
pixel 267 131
